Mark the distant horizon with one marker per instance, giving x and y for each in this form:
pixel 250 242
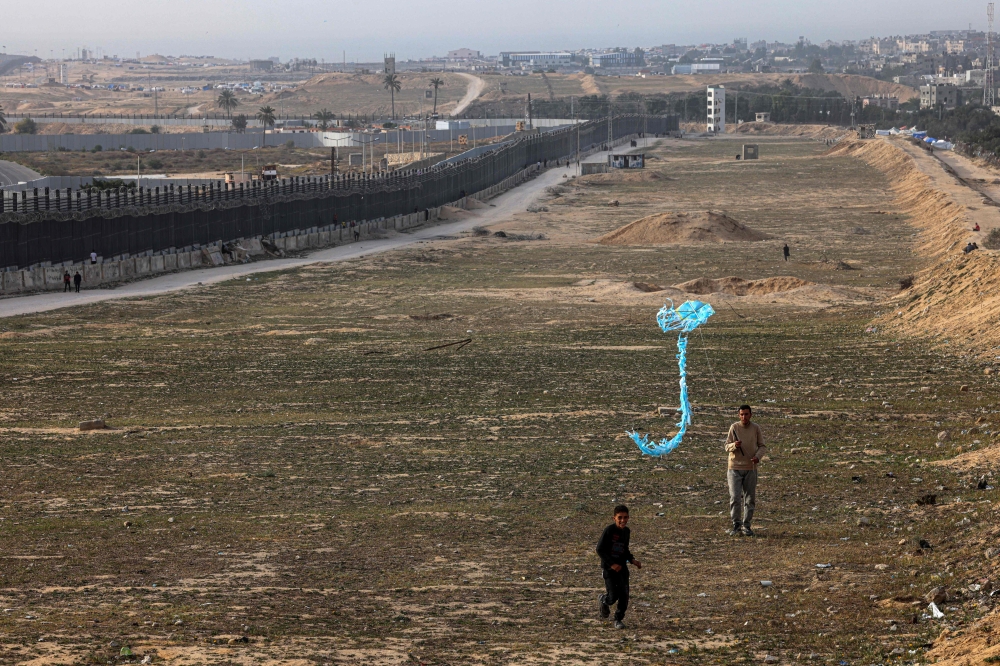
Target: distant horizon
pixel 420 29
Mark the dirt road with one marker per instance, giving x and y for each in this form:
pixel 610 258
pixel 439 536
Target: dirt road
pixel 500 208
pixel 985 214
pixel 476 86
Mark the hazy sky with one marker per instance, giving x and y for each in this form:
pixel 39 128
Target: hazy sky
pixel 421 28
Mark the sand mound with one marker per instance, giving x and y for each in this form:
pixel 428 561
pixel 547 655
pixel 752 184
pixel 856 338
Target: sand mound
pixel 621 176
pixel 739 287
pixel 452 213
pixel 670 228
pixel 973 645
pixel 772 129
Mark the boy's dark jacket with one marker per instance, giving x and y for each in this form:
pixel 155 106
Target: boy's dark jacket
pixel 613 546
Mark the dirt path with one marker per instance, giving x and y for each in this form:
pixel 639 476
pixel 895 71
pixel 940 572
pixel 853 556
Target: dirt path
pixel 933 166
pixel 501 208
pixel 476 86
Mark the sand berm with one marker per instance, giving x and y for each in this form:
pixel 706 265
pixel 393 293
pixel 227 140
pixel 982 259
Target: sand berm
pixel 956 297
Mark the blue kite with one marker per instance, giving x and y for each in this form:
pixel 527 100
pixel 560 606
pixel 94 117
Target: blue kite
pixel 683 319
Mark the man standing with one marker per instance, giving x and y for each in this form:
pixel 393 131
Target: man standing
pixel 745 445
pixel 785 251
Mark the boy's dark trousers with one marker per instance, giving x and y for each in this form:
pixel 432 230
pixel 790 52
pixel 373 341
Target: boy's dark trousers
pixel 616 584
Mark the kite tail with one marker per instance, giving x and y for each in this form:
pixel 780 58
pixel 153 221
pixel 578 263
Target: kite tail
pixel 665 446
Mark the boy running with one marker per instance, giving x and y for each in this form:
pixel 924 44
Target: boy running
pixel 615 556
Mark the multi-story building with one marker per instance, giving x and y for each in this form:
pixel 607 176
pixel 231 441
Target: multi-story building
pixel 881 101
pixel 717 109
pixel 940 94
pixel 534 59
pixel 463 54
pixel 696 68
pixel 913 46
pixel 618 58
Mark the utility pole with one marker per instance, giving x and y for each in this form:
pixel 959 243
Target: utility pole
pixel 530 122
pixel 610 109
pixel 989 91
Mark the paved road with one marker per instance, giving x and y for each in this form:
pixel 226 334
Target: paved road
pixel 502 207
pixel 12 174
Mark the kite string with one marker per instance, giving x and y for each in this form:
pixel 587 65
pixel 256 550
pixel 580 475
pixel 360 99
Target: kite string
pixel 711 373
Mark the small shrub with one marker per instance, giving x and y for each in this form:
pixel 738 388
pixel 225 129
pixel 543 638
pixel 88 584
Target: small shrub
pixel 201 154
pixel 130 149
pixel 905 283
pixel 96 149
pixel 992 241
pixel 155 129
pixel 139 130
pixel 26 126
pixel 289 144
pixel 480 231
pixel 154 163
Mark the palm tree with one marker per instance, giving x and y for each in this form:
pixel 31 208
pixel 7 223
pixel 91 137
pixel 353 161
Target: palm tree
pixel 3 121
pixel 265 116
pixel 391 83
pixel 437 83
pixel 227 102
pixel 324 116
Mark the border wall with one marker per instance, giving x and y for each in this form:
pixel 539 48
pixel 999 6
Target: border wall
pixel 52 228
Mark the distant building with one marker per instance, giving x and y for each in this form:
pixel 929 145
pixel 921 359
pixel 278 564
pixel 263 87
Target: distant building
pixel 618 58
pixel 534 59
pixel 940 94
pixel 697 68
pixel 763 117
pixel 717 109
pixel 881 101
pixel 261 65
pixel 464 54
pixel 389 63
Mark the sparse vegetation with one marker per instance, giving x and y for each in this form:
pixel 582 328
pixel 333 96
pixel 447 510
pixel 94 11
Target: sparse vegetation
pixel 26 126
pixel 992 240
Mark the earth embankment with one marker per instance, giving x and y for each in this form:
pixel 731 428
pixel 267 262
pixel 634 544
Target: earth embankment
pixel 957 297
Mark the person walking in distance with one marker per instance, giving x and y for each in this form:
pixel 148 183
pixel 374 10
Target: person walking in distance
pixel 77 279
pixel 93 257
pixel 66 282
pixel 745 446
pixel 785 251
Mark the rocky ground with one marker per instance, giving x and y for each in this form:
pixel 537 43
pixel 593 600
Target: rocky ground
pixel 299 470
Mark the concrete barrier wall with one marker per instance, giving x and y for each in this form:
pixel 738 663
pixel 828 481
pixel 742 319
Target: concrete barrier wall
pixel 50 278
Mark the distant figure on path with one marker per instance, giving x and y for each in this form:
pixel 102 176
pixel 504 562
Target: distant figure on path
pixel 785 251
pixel 976 228
pixel 93 257
pixel 77 279
pixel 66 285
